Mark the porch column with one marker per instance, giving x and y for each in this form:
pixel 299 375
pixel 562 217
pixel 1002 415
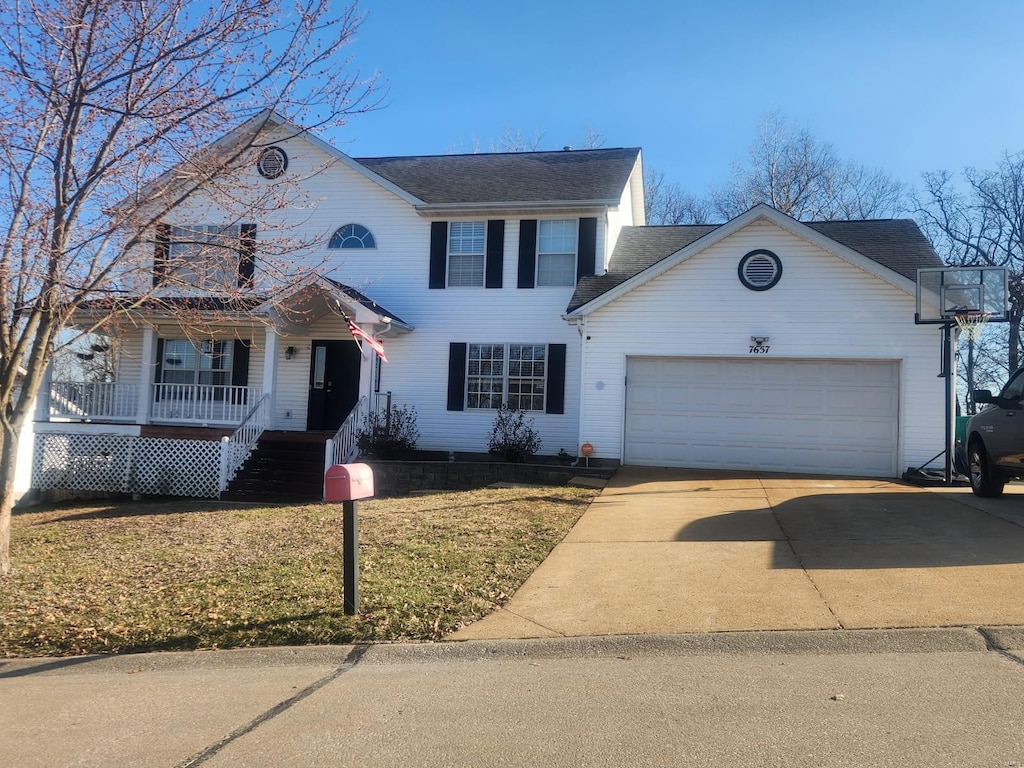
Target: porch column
pixel 271 346
pixel 45 393
pixel 146 374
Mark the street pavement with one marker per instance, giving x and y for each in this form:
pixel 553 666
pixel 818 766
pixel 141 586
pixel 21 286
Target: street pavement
pixel 931 697
pixel 697 620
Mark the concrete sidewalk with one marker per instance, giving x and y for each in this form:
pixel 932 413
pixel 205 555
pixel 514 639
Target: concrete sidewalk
pixel 684 551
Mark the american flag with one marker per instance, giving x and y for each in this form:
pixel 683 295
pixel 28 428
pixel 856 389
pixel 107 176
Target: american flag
pixel 359 334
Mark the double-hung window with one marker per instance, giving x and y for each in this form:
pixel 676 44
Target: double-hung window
pixel 466 252
pixel 556 252
pixel 188 362
pixel 204 255
pixel 506 373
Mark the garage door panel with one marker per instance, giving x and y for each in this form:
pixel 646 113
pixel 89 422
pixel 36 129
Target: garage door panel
pixel 700 395
pixel 767 399
pixel 805 416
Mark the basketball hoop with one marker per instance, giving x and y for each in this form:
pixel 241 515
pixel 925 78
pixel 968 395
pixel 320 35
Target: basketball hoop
pixel 971 323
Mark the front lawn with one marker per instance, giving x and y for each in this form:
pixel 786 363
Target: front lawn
pixel 181 575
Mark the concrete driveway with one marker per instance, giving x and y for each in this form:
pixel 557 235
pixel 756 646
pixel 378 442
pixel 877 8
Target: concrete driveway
pixel 691 551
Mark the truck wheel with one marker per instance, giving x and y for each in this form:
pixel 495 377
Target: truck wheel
pixel 985 481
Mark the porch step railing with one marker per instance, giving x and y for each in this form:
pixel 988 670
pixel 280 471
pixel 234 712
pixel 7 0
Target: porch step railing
pixel 202 403
pixel 343 447
pixel 235 448
pixel 101 400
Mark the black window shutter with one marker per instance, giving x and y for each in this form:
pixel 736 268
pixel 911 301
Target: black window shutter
pixel 240 363
pixel 457 376
pixel 438 253
pixel 556 379
pixel 161 253
pixel 586 253
pixel 527 252
pixel 246 255
pixel 495 259
pixel 158 374
pixel 240 370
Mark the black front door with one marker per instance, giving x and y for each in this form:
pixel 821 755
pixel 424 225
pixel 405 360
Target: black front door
pixel 333 384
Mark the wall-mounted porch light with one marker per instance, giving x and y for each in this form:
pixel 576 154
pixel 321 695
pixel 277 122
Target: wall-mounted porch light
pixel 290 352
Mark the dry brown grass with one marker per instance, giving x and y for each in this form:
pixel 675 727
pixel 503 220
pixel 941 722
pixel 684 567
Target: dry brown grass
pixel 139 576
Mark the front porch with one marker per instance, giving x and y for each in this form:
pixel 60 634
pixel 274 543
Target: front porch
pixel 157 403
pixel 295 367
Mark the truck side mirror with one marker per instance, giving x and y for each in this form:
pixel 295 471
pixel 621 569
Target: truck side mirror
pixel 982 396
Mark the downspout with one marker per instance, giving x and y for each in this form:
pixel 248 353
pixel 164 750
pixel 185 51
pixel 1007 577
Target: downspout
pixel 581 328
pixel 377 368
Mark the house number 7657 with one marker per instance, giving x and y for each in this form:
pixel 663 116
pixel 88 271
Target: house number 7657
pixel 760 349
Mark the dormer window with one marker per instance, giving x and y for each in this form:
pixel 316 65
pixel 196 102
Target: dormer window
pixel 352 236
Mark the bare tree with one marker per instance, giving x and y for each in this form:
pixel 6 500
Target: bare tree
pixel 669 203
pixel 516 140
pixel 100 97
pixel 983 224
pixel 789 169
pixel 591 139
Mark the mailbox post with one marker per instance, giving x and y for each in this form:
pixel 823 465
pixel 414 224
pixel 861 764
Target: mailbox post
pixel 348 483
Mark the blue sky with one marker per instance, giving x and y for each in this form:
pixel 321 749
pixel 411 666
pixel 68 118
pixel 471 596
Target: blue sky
pixel 906 85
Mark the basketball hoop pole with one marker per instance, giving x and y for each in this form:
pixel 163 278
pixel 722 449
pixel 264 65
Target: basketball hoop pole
pixel 948 366
pixel 962 300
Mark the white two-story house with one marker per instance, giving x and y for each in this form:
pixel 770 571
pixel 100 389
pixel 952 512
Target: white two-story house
pixel 526 278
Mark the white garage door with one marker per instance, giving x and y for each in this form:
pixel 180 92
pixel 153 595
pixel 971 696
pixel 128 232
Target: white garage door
pixel 814 416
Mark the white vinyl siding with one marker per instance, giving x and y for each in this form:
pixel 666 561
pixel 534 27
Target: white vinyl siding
pixel 823 308
pixel 395 274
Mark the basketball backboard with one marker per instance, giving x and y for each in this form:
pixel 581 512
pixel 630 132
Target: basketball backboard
pixel 942 292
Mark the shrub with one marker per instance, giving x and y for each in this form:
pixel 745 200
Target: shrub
pixel 513 437
pixel 389 434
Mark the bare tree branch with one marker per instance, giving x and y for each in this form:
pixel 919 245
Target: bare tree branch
pixel 983 224
pixel 101 97
pixel 789 169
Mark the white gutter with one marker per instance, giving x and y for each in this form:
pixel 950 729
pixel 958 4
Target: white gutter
pixel 517 206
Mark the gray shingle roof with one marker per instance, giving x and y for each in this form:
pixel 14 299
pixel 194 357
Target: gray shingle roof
pixel 897 244
pixel 365 300
pixel 522 177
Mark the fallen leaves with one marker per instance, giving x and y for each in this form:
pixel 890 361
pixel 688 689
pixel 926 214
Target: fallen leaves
pixel 182 575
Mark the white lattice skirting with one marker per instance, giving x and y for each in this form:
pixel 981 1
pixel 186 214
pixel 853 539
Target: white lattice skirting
pixel 127 464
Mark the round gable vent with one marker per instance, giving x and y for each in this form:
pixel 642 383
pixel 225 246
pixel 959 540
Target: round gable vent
pixel 760 270
pixel 272 162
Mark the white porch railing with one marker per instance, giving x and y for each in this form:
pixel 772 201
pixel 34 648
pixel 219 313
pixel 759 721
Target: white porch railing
pixel 100 400
pixel 234 450
pixel 202 403
pixel 343 447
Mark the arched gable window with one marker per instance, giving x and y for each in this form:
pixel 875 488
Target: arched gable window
pixel 352 236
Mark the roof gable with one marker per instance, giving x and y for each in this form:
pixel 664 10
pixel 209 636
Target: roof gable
pixel 892 249
pixel 247 135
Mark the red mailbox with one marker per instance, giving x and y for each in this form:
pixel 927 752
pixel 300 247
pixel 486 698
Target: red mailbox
pixel 347 482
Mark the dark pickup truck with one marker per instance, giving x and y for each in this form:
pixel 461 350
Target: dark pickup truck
pixel 995 438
